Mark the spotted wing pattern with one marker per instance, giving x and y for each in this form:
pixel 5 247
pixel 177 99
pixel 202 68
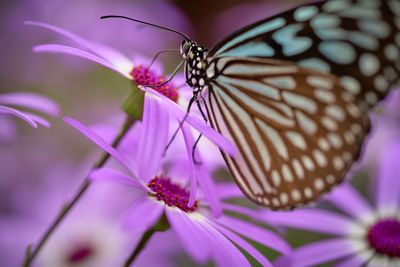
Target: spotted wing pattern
pixel 297 130
pixel 356 40
pixel 299 119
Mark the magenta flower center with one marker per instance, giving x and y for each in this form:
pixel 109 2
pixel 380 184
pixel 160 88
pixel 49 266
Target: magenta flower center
pixel 80 253
pixel 172 195
pixel 384 237
pixel 144 76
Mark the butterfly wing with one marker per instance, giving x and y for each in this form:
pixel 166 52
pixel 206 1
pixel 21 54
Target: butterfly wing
pixel 356 40
pixel 298 131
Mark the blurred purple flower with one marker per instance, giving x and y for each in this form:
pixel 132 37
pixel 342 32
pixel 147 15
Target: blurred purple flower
pixel 203 236
pixel 368 236
pixel 386 127
pixel 118 62
pixel 135 69
pixel 90 236
pixel 32 101
pixel 83 17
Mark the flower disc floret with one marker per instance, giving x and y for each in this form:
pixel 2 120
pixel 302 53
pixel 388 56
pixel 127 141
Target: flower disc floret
pixel 80 254
pixel 384 237
pixel 171 194
pixel 143 76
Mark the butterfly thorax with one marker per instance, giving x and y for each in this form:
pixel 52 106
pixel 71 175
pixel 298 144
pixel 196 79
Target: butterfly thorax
pixel 195 57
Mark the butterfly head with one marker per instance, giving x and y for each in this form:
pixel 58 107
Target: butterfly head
pixel 187 49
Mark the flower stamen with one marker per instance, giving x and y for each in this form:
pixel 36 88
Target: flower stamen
pixel 143 76
pixel 384 237
pixel 171 194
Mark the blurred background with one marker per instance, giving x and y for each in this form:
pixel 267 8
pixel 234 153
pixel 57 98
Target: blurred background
pixel 40 169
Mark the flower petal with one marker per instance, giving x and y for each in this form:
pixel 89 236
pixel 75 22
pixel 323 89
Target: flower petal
pixel 244 245
pixel 344 194
pixel 321 252
pixel 312 220
pixel 54 48
pixel 32 101
pixel 187 135
pixel 190 234
pixel 104 145
pixel 18 113
pixel 106 174
pixel 153 137
pixel 118 60
pixel 217 138
pixel 353 261
pixel 256 233
pixel 37 119
pixel 77 39
pixel 388 178
pixel 225 253
pixel 228 190
pixel 143 214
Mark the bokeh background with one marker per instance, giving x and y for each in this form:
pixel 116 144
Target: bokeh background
pixel 40 169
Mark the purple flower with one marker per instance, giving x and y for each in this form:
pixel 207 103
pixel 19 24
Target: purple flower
pixel 134 69
pixel 203 233
pixel 118 62
pixel 90 236
pixel 31 101
pixel 365 235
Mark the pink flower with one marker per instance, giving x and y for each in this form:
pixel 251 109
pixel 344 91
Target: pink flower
pixel 363 233
pixel 31 101
pixel 118 62
pixel 203 233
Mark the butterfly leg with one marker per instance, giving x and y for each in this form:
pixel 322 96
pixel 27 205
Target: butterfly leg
pixel 169 79
pixel 159 53
pixel 180 125
pixel 199 137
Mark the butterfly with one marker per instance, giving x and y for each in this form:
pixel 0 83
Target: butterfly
pixel 293 92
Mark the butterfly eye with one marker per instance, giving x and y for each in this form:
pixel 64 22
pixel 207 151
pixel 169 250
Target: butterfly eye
pixel 185 48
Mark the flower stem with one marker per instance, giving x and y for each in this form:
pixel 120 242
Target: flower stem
pixel 161 226
pixel 30 256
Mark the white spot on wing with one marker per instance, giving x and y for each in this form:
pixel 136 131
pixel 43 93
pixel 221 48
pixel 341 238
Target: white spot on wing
pixel 381 84
pixel 258 30
pixel 305 13
pixel 274 138
pixel 368 64
pixel 315 64
pixel 325 96
pixel 282 82
pixel 351 84
pixel 324 144
pixel 301 102
pixel 307 162
pixel 320 82
pixel 298 169
pixel 319 184
pixel 276 178
pixel 296 139
pixel 335 140
pixel 320 158
pixel 308 125
pixel 286 173
pixel 338 52
pixel 296 196
pixel 308 192
pixel 338 163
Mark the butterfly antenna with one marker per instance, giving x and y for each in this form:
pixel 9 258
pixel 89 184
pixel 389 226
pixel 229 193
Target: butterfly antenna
pixel 147 23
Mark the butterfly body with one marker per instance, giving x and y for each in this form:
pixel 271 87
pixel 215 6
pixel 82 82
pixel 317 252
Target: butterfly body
pixel 293 92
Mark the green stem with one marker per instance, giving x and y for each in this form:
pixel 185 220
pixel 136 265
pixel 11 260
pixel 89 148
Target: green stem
pixel 84 186
pixel 146 236
pixel 161 226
